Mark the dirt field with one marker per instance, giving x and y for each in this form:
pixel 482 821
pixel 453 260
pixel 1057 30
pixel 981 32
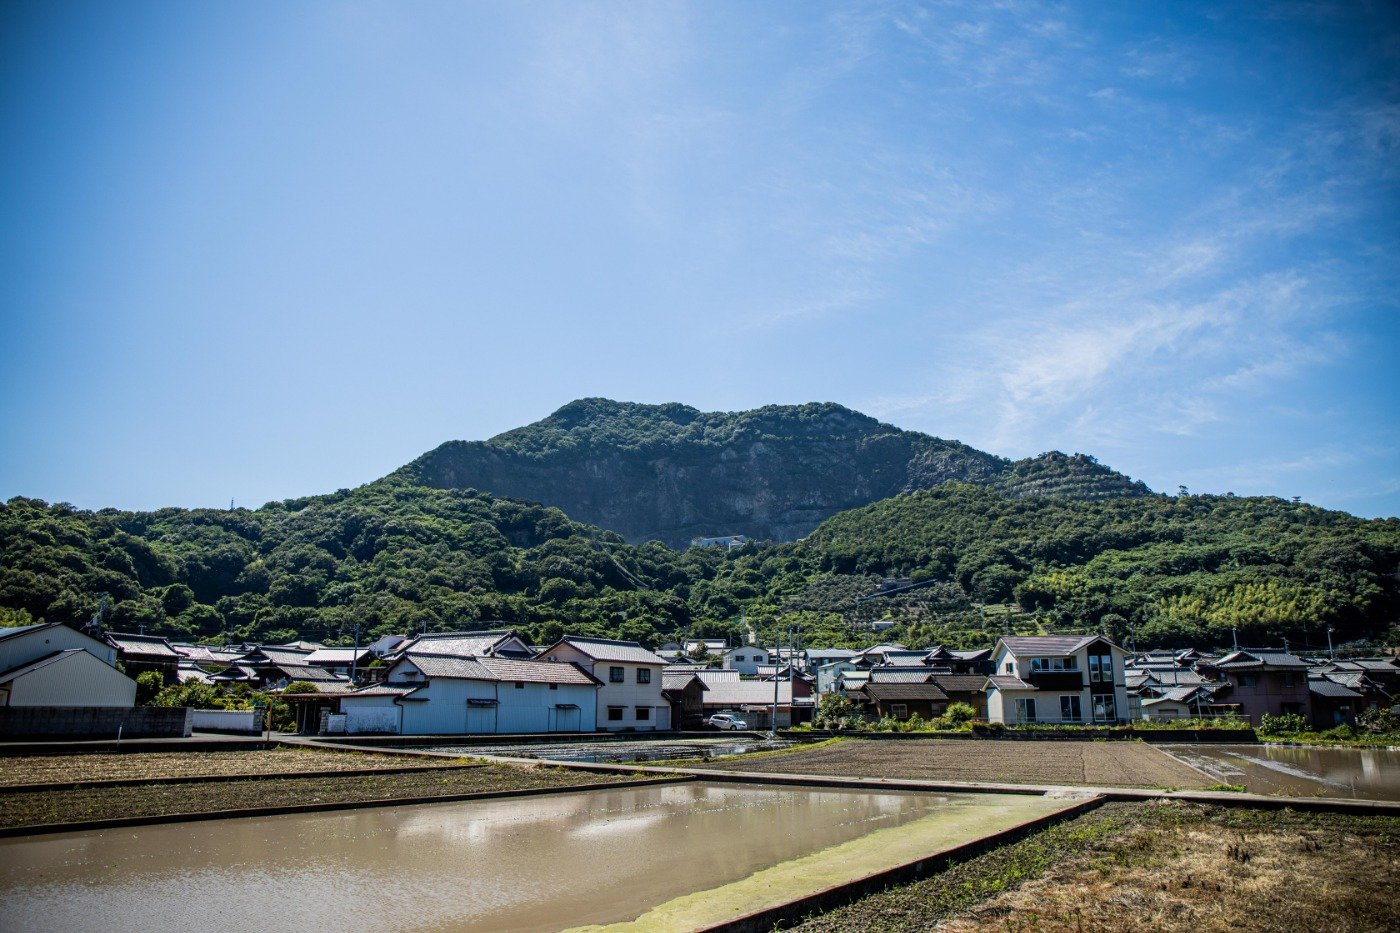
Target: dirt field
pixel 1161 866
pixel 58 769
pixel 1099 764
pixel 37 807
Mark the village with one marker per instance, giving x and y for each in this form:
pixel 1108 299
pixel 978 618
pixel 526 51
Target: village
pixel 491 682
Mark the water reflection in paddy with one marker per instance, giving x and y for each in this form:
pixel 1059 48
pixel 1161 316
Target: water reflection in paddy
pixel 627 750
pixel 541 863
pixel 1300 771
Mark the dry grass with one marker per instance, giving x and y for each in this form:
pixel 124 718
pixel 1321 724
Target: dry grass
pixel 1198 874
pixel 73 769
pixel 1098 764
pixel 66 806
pixel 1169 866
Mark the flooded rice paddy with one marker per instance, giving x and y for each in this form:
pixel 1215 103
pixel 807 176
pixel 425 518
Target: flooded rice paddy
pixel 625 751
pixel 1298 771
pixel 669 857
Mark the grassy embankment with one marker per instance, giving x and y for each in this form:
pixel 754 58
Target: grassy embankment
pixel 1158 866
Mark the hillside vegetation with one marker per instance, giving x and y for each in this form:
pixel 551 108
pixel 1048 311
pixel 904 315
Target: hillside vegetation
pixel 395 557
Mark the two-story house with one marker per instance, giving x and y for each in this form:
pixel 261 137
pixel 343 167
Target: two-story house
pixel 1057 679
pixel 1260 681
pixel 630 697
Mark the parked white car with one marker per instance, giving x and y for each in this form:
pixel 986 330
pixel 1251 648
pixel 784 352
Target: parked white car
pixel 726 721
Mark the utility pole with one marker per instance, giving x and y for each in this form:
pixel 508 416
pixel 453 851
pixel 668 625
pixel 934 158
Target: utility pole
pixel 1235 637
pixel 355 654
pixel 777 656
pixel 1331 652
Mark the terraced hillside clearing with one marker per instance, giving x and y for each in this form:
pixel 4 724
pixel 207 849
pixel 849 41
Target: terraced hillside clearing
pixel 1096 764
pixel 74 769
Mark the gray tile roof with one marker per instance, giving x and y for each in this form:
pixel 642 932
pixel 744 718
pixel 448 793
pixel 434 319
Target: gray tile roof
pixel 608 649
pixel 450 666
pixel 460 644
pixel 679 680
pixel 538 672
pixel 336 655
pixel 1263 658
pixel 930 692
pixel 146 645
pixel 960 683
pixel 1323 687
pixel 1030 645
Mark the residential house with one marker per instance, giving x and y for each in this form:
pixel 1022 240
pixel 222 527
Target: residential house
pixel 746 659
pixel 629 698
pixel 428 694
pixel 1057 679
pixel 50 664
pixel 829 674
pixel 963 688
pixel 138 654
pixel 754 700
pixel 1332 703
pixel 1261 682
pixel 902 700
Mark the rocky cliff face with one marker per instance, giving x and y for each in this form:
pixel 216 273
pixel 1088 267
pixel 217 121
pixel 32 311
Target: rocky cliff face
pixel 671 472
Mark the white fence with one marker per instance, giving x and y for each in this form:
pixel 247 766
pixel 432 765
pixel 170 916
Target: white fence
pixel 226 720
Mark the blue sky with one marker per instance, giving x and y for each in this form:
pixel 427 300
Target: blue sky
pixel 256 250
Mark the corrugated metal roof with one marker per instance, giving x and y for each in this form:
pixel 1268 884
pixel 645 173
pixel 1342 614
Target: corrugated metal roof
pixel 21 629
pixel 717 676
pixel 747 693
pixel 899 675
pixel 336 655
pixel 31 666
pixel 608 649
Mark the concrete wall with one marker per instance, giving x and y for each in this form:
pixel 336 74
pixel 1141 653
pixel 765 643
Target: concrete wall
pixel 363 718
pixel 94 722
pixel 227 720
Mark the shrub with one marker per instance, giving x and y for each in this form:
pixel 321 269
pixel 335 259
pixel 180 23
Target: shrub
pixel 301 686
pixel 959 713
pixel 1378 721
pixel 833 709
pixel 1282 724
pixel 148 685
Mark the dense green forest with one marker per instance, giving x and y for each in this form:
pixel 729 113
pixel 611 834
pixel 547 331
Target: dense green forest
pixel 393 557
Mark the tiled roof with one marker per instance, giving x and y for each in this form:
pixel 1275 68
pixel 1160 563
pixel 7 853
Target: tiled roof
pixel 679 680
pixel 386 690
pixel 904 692
pixel 1329 688
pixel 899 675
pixel 829 654
pixel 148 645
pixel 1028 645
pixel 460 644
pixel 280 655
pixel 537 672
pixel 451 666
pixel 960 683
pixel 1008 682
pixel 1237 660
pixel 608 649
pixel 315 675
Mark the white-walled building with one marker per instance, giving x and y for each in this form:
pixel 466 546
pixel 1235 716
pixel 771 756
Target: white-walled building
pixel 746 659
pixel 428 694
pixel 629 698
pixel 1057 679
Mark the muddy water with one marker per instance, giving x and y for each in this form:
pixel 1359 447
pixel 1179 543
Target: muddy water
pixel 1365 773
pixel 542 863
pixel 630 751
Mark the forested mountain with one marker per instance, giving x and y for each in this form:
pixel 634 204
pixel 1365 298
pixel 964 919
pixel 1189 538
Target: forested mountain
pixel 394 557
pixel 671 472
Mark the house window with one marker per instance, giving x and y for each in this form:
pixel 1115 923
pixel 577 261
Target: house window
pixel 1249 680
pixel 614 714
pixel 1009 669
pixel 1070 710
pixel 899 710
pixel 1105 709
pixel 520 685
pixel 617 675
pixel 1025 710
pixel 643 714
pixel 554 686
pixel 643 675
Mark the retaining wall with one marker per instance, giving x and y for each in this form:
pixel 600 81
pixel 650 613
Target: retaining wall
pixel 94 721
pixel 227 720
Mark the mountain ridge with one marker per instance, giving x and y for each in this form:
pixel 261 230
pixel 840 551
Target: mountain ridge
pixel 671 472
